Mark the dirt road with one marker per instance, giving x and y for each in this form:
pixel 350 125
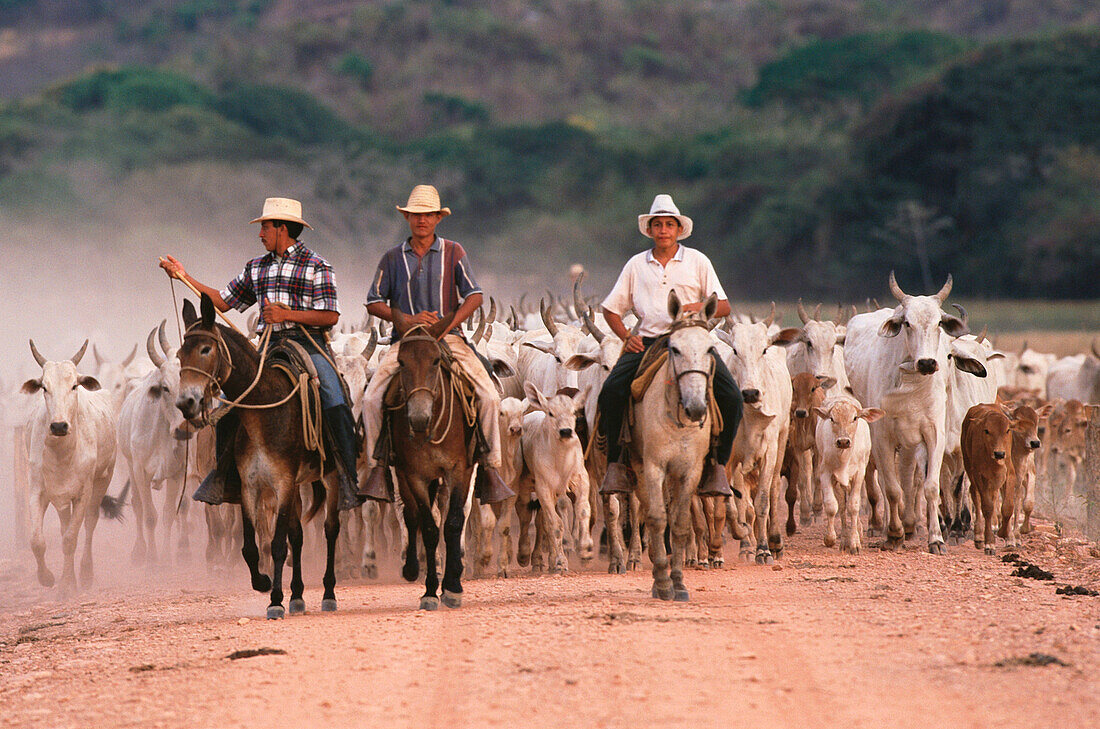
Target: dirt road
pixel 881 639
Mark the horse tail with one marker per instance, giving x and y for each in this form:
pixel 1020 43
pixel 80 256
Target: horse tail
pixel 318 500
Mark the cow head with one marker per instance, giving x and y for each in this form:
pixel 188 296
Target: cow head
pixel 841 418
pixel 59 383
pixel 162 385
pixel 1025 431
pixel 808 392
pixel 1066 430
pixel 561 409
pixel 971 355
pixel 564 342
pixel 921 319
pixel 749 343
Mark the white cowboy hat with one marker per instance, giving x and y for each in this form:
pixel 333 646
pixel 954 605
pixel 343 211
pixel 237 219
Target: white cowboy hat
pixel 664 207
pixel 424 199
pixel 282 208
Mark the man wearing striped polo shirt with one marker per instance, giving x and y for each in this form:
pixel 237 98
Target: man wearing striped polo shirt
pixel 422 281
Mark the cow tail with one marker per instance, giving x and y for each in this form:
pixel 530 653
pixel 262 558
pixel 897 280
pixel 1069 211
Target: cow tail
pixel 111 506
pixel 318 500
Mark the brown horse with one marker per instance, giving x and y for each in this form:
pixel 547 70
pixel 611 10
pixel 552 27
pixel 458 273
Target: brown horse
pixel 270 454
pixel 429 433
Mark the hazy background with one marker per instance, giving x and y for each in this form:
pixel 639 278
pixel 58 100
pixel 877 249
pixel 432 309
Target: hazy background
pixel 818 144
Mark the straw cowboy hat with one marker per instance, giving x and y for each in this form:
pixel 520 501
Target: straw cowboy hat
pixel 424 199
pixel 282 208
pixel 664 207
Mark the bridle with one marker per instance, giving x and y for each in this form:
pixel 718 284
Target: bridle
pixel 679 375
pixel 225 358
pixel 437 390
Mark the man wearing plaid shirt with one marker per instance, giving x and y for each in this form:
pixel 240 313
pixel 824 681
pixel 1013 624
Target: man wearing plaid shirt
pixel 297 293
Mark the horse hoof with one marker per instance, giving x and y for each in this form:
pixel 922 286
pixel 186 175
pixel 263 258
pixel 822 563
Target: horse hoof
pixel 261 583
pixel 410 572
pixel 297 606
pixel 452 599
pixel 661 594
pixel 275 612
pixel 429 603
pixel 940 548
pixel 680 595
pixel 328 605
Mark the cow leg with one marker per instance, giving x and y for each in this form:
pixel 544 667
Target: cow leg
pixel 762 508
pixel 714 509
pixel 818 495
pixel 550 529
pixel 141 495
pixel 988 510
pixel 870 484
pixel 524 508
pixel 582 510
pixel 907 460
pixel 851 541
pixel 887 467
pixel 829 488
pixel 38 541
pixel 809 497
pixel 485 522
pixel 696 544
pixel 505 550
pixel 91 520
pixel 634 554
pixel 614 530
pixel 775 534
pixel 934 443
pixel 1027 481
pixel 791 496
pixel 653 506
pixel 452 534
pixel 70 534
pixel 174 519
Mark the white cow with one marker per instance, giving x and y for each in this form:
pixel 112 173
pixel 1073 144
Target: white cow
pixel 761 371
pixel 906 376
pixel 70 445
pixel 152 438
pixel 818 348
pixel 553 467
pixel 492 523
pixel 1031 370
pixel 542 353
pixel 844 442
pixel 1076 378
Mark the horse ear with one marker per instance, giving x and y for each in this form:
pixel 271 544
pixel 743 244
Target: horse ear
pixel 190 316
pixel 710 306
pixel 207 309
pixel 673 305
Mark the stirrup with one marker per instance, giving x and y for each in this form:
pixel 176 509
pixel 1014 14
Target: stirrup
pixel 617 480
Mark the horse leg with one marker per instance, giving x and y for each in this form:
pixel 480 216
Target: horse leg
pixel 251 553
pixel 295 535
pixel 332 536
pixel 278 559
pixel 429 534
pixel 452 537
pixel 651 496
pixel 680 521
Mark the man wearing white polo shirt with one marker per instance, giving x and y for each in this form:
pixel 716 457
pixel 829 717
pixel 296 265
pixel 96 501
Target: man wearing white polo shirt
pixel 643 286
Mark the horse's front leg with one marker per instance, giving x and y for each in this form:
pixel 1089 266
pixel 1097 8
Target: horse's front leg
pixel 332 535
pixel 294 535
pixel 650 494
pixel 278 555
pixel 249 550
pixel 429 533
pixel 452 536
pixel 680 521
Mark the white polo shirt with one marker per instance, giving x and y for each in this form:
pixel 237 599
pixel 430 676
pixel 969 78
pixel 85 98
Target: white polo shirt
pixel 644 285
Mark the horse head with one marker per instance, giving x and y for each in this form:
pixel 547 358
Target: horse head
pixel 421 375
pixel 689 350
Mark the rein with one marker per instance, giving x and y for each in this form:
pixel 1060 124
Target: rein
pixel 449 393
pixel 708 373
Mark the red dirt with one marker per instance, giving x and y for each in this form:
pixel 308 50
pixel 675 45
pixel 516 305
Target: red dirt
pixel 902 639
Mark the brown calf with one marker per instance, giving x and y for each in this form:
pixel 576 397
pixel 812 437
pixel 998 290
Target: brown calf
pixel 800 459
pixel 986 443
pixel 1020 490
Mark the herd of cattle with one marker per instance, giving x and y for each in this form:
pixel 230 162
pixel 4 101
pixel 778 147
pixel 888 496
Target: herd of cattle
pixel 904 405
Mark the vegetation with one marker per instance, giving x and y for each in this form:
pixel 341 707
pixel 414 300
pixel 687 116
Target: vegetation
pixel 817 145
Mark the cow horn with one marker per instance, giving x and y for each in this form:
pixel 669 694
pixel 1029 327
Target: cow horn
pixel 945 291
pixel 80 353
pixel 896 290
pixel 802 314
pixel 37 355
pixel 151 349
pixel 1095 351
pixel 129 358
pixel 522 299
pixel 165 345
pixel 817 312
pixel 492 310
pixel 854 312
pixel 98 359
pixel 874 302
pixel 372 343
pixel 985 331
pixel 548 318
pixel 963 315
pixel 515 318
pixel 771 316
pixel 591 325
pixel 480 331
pixel 578 300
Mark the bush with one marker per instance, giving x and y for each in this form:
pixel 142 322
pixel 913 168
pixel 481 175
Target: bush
pixel 132 87
pixel 450 109
pixel 282 112
pixel 359 68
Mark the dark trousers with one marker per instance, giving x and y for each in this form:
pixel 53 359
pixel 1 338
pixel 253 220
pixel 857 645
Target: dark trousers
pixel 616 391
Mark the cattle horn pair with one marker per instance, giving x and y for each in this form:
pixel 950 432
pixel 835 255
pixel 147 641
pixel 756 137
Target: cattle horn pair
pixel 75 359
pixel 548 318
pixel 901 296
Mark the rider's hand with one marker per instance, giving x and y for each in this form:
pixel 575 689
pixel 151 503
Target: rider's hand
pixel 275 313
pixel 634 344
pixel 172 267
pixel 427 318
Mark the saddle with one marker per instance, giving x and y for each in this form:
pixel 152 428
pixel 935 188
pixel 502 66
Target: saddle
pixel 395 398
pixel 293 360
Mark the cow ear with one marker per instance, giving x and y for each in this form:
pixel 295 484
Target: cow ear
pixel 954 326
pixel 579 362
pixel 579 401
pixel 891 327
pixel 969 364
pixel 544 347
pixel 502 368
pixel 88 382
pixel 822 412
pixel 1045 410
pixel 190 316
pixel 535 397
pixel 31 386
pixel 871 414
pixel 826 382
pixel 787 337
pixel 674 305
pixel 995 355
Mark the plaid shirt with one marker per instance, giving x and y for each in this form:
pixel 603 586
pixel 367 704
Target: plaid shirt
pixel 300 279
